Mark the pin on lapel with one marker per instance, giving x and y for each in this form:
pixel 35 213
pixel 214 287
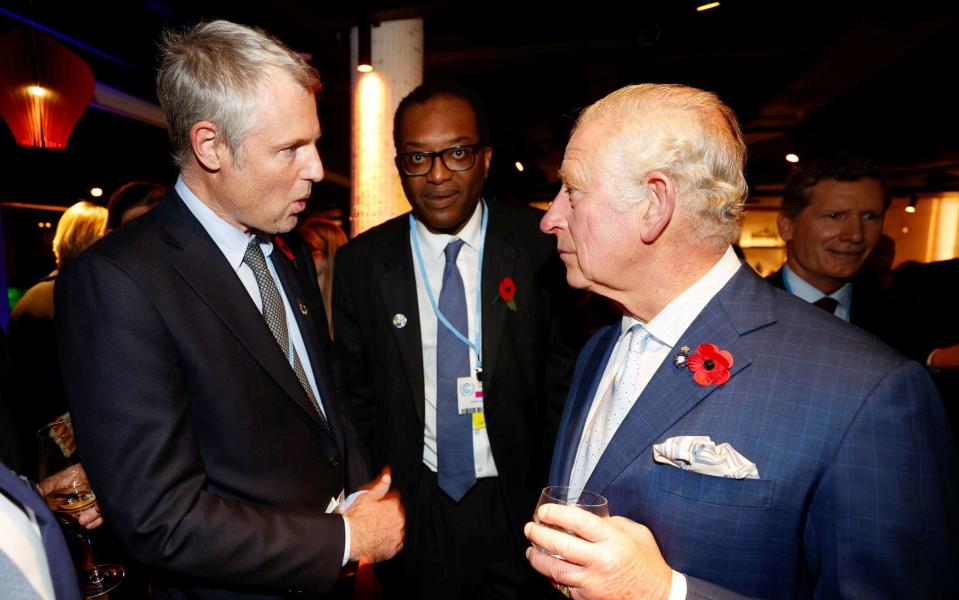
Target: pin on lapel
pixel 302 306
pixel 399 320
pixel 681 359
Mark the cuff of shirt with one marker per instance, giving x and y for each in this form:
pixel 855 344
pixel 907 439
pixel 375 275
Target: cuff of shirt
pixel 346 543
pixel 677 591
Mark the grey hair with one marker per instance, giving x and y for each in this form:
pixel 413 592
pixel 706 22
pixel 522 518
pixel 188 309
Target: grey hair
pixel 214 72
pixel 686 133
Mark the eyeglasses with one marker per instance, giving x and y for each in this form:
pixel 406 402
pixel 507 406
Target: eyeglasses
pixel 457 158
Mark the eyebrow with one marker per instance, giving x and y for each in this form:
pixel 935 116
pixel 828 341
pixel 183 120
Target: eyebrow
pixel 459 141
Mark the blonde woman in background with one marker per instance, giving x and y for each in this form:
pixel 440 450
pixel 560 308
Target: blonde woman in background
pixel 33 346
pixel 324 237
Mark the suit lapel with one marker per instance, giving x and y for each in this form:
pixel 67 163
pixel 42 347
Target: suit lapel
pixel 740 307
pixel 397 286
pixel 499 257
pixel 203 267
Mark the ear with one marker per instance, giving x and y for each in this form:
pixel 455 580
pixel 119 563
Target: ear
pixel 785 226
pixel 661 200
pixel 207 148
pixel 487 157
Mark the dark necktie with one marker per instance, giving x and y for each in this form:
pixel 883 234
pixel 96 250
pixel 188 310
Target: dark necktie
pixel 456 473
pixel 828 304
pixel 275 315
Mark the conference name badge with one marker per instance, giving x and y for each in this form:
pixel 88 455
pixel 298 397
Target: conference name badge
pixel 469 395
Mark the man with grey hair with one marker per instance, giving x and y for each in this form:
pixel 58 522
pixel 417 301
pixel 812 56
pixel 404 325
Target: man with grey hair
pixel 196 358
pixel 747 442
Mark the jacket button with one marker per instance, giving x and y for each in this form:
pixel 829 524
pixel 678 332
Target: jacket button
pixel 334 462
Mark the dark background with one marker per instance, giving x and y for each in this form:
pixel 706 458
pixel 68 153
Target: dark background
pixel 803 77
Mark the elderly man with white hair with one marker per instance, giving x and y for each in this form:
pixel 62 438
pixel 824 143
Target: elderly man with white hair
pixel 748 443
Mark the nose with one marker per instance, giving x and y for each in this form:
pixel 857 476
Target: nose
pixel 438 171
pixel 555 218
pixel 852 230
pixel 314 166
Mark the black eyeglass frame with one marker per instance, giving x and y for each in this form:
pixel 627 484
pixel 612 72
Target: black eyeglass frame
pixel 432 155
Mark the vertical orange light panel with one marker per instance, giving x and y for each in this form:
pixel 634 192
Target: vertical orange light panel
pixel 372 201
pixel 397 57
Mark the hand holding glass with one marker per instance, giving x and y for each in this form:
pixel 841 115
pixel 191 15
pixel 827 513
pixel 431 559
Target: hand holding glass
pixel 68 494
pixel 559 494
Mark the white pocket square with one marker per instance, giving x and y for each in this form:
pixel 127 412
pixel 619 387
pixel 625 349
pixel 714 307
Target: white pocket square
pixel 699 454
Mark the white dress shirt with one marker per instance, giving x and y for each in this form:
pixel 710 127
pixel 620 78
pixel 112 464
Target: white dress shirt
pixel 22 544
pixel 798 286
pixel 434 260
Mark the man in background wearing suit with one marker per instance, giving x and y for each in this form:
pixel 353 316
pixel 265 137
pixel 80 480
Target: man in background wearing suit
pixel 196 357
pixel 470 473
pixel 749 443
pixel 831 219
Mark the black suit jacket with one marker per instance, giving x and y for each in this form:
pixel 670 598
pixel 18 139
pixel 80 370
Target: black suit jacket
pixel 870 308
pixel 924 304
pixel 527 354
pixel 207 456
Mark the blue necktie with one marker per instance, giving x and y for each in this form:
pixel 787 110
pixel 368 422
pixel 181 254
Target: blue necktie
pixel 454 432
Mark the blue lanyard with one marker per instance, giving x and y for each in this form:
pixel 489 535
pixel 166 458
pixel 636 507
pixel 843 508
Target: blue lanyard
pixel 478 345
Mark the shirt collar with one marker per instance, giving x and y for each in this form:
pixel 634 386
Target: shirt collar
pixel 433 244
pixel 230 240
pixel 800 287
pixel 678 315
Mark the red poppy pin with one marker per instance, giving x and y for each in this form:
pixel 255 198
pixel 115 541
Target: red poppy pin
pixel 710 365
pixel 284 249
pixel 507 291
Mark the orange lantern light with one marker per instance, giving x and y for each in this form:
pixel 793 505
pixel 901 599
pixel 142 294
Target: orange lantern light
pixel 44 89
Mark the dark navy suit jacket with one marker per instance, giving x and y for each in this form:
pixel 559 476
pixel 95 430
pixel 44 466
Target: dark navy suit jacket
pixel 857 471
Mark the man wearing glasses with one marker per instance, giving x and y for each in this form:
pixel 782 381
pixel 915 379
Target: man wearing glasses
pixel 447 324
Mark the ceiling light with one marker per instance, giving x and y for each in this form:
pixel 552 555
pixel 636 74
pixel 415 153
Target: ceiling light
pixel 792 158
pixel 364 47
pixel 912 204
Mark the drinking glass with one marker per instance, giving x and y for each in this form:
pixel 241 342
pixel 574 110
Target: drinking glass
pixel 69 495
pixel 561 494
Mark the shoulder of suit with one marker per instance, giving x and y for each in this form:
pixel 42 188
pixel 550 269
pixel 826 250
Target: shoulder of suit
pixel 390 236
pixel 818 335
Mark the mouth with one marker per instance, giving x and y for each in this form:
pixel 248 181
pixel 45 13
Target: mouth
pixel 847 254
pixel 440 199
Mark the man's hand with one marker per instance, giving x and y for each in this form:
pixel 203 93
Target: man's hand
pixel 377 521
pixel 612 557
pixel 90 517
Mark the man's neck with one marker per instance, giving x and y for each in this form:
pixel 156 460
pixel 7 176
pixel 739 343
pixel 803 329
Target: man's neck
pixel 665 280
pixel 826 285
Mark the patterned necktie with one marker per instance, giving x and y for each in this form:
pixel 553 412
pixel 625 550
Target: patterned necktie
pixel 275 315
pixel 613 407
pixel 827 303
pixel 456 472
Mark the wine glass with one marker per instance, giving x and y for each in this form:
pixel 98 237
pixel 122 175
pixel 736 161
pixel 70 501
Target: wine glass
pixel 68 493
pixel 561 494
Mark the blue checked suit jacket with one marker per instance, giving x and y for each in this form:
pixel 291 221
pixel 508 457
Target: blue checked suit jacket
pixel 857 469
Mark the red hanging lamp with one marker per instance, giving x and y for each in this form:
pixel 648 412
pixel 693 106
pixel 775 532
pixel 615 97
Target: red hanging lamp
pixel 44 89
